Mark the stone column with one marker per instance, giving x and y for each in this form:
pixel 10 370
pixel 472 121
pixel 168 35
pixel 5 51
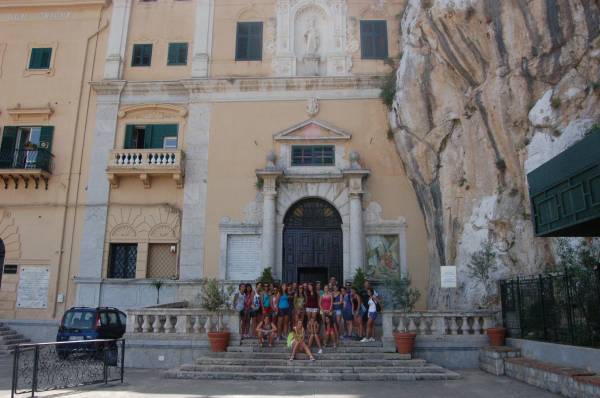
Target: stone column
pixel 202 38
pixel 269 222
pixel 191 260
pixel 96 210
pixel 355 175
pixel 117 39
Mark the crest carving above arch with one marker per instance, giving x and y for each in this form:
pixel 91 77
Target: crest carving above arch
pixel 153 111
pixel 10 235
pixel 249 13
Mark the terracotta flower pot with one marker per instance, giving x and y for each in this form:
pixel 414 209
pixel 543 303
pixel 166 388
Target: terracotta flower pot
pixel 405 342
pixel 497 336
pixel 218 341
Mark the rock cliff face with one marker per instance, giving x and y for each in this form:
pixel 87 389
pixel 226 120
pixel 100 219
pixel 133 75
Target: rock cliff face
pixel 488 90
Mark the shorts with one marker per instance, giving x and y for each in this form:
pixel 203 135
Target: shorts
pixel 267 311
pixel 283 312
pixel 348 316
pixel 242 313
pixel 253 313
pixel 266 333
pixel 373 315
pixel 312 310
pixel 338 312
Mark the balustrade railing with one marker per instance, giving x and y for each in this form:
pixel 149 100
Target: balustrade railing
pixel 439 323
pixel 178 321
pixel 148 158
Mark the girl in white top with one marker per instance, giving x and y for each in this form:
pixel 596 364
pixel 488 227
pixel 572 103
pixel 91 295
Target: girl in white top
pixel 372 314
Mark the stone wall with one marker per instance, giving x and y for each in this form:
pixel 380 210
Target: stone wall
pixel 487 91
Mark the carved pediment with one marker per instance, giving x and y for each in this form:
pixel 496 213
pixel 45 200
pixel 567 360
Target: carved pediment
pixel 313 130
pixel 153 111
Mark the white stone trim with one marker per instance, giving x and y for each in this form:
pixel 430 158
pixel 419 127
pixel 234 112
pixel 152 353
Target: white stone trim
pixel 227 228
pixel 117 39
pixel 202 38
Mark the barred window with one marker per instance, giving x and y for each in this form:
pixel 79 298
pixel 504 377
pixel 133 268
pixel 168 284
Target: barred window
pixel 122 260
pixel 313 155
pixel 162 260
pixel 373 39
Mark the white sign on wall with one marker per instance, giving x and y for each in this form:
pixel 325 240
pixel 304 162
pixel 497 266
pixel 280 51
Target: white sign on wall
pixel 243 257
pixel 33 287
pixel 448 275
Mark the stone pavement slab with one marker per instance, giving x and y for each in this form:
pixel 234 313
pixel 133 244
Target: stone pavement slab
pixel 151 383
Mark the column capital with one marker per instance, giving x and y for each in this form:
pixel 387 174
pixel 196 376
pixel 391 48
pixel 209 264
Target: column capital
pixel 355 180
pixel 269 179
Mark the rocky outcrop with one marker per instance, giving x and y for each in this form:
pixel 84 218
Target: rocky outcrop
pixel 488 90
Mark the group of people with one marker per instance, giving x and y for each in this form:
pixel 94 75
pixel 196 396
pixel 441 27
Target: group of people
pixel 307 314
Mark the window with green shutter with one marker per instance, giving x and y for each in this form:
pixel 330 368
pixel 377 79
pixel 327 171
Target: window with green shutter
pixel 40 58
pixel 8 147
pixel 313 155
pixel 150 136
pixel 249 41
pixel 373 39
pixel 178 54
pixel 141 55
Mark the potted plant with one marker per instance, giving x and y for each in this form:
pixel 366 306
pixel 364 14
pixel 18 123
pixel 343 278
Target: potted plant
pixel 401 296
pixel 213 298
pixel 480 267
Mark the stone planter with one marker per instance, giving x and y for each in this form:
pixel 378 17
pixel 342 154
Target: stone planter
pixel 497 336
pixel 405 342
pixel 218 341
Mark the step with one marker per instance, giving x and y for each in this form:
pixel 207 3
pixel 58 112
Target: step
pixel 332 355
pixel 291 367
pixel 282 348
pixel 7 332
pixel 15 339
pixel 180 374
pixel 343 343
pixel 302 361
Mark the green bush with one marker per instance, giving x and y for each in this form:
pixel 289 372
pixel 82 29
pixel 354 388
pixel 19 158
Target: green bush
pixel 266 277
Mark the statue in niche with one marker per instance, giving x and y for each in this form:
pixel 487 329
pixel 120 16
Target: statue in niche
pixel 311 37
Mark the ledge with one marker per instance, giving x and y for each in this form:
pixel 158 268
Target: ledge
pixel 146 164
pixel 24 175
pixel 39 113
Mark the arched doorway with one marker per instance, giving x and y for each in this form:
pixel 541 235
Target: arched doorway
pixel 2 253
pixel 312 242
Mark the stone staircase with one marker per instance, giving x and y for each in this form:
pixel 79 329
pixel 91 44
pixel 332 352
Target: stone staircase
pixel 9 339
pixel 351 361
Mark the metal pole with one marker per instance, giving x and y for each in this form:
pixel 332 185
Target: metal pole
pixel 105 356
pixel 570 307
pixel 519 307
pixel 122 360
pixel 36 356
pixel 15 374
pixel 541 289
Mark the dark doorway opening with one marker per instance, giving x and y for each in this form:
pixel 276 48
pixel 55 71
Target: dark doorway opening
pixel 312 242
pixel 2 253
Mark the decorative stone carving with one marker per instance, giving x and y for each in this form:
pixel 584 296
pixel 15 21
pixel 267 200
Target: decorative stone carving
pixel 311 38
pixel 143 224
pixel 153 111
pixel 271 36
pixel 352 42
pixel 312 107
pixel 9 233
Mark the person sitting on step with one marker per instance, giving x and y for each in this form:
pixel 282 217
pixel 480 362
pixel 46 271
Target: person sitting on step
pixel 314 331
pixel 266 329
pixel 298 342
pixel 330 332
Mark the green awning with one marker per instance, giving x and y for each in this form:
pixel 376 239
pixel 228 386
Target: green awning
pixel 565 191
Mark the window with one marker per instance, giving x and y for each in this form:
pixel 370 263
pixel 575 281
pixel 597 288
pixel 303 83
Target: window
pixel 313 155
pixel 122 260
pixel 373 39
pixel 249 41
pixel 109 319
pixel 150 136
pixel 26 147
pixel 10 269
pixel 142 55
pixel 178 54
pixel 162 260
pixel 40 58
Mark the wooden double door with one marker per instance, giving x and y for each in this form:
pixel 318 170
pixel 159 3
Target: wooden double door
pixel 312 242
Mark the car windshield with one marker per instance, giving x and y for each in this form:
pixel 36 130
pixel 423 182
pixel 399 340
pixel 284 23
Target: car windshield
pixel 79 320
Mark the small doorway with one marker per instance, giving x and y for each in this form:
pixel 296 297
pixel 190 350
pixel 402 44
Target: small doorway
pixel 312 242
pixel 2 253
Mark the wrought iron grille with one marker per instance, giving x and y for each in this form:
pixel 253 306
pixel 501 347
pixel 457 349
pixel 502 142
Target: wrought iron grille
pixel 123 259
pixel 162 261
pixel 561 308
pixel 313 213
pixel 54 366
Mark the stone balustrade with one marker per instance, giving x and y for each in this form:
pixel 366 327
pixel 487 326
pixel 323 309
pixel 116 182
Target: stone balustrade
pixel 165 321
pixel 145 163
pixel 438 323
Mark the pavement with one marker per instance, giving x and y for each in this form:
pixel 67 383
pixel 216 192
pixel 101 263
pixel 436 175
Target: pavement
pixel 151 383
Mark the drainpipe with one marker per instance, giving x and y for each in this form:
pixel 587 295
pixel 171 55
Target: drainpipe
pixel 100 28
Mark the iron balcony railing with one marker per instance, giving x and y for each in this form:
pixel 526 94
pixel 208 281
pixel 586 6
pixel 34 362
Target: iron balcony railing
pixel 34 159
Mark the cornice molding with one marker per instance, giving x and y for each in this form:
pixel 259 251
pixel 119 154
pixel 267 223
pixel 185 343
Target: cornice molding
pixel 52 3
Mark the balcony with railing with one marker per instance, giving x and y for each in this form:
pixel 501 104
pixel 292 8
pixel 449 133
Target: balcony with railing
pixel 146 164
pixel 26 165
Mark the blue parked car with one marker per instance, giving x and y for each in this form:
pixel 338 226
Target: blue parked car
pixel 87 323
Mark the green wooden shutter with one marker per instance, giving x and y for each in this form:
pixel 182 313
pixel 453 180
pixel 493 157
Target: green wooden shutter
pixel 128 143
pixel 7 147
pixel 148 136
pixel 46 138
pixel 159 132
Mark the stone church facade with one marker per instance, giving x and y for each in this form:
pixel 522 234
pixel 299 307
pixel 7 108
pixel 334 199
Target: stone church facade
pixel 194 139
